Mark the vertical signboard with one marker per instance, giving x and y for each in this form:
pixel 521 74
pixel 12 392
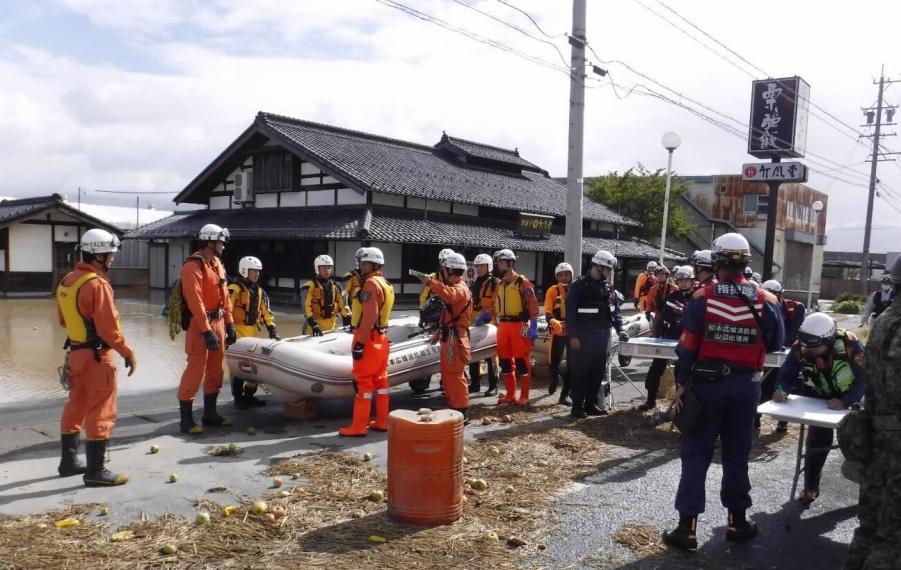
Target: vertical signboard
pixel 779 110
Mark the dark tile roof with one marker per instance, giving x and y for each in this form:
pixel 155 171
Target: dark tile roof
pixel 377 224
pixel 12 211
pixel 488 152
pixel 365 161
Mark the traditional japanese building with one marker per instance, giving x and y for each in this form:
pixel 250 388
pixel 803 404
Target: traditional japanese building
pixel 289 190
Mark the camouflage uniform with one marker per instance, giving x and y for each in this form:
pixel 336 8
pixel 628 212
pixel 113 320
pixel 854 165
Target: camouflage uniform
pixel 877 542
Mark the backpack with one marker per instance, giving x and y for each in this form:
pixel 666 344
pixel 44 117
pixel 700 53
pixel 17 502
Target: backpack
pixel 176 309
pixel 430 313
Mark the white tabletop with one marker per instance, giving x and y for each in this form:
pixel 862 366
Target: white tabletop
pixel 650 347
pixel 803 410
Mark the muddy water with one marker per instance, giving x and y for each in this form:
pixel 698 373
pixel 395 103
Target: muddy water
pixel 31 341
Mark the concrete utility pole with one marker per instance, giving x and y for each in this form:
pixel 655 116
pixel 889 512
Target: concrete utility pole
pixel 875 159
pixel 574 181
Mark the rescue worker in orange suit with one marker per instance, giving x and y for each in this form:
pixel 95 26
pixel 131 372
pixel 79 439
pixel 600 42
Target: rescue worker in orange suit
pixel 727 328
pixel 250 309
pixel 516 313
pixel 453 330
pixel 482 291
pixel 660 290
pixel 370 311
pixel 352 279
pixel 324 299
pixel 643 284
pixel 428 316
pixel 211 329
pixel 88 312
pixel 555 314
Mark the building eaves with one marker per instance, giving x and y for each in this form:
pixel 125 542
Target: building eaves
pixel 12 211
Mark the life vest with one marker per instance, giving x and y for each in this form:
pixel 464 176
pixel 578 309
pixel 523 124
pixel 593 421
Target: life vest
pixel 356 308
pixel 352 283
pixel 483 290
pixel 649 282
pixel 510 300
pixel 673 310
pixel 249 301
pixel 322 298
pixel 879 305
pixel 558 293
pixel 788 311
pixel 832 376
pixel 731 333
pixel 597 303
pixel 78 329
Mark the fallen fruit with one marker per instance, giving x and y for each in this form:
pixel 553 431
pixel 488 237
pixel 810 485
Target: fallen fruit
pixel 510 489
pixel 42 525
pixel 493 537
pixel 173 478
pixel 259 508
pixel 377 496
pixel 486 421
pixel 277 482
pixel 103 511
pixel 367 456
pixel 376 539
pixel 202 518
pixel 233 447
pixel 358 514
pixel 465 461
pixel 494 450
pixel 122 536
pixel 251 431
pixel 154 449
pixel 229 510
pixel 295 476
pixel 515 541
pixel 285 493
pixel 507 419
pixel 66 523
pixel 169 549
pixel 270 518
pixel 542 546
pixel 424 411
pixel 279 511
pixel 479 484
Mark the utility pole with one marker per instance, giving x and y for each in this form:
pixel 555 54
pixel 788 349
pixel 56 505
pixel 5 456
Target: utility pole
pixel 772 210
pixel 574 176
pixel 874 161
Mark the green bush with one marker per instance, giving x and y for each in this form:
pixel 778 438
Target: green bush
pixel 848 307
pixel 850 297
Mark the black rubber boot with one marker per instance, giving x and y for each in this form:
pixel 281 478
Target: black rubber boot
pixel 781 427
pixel 249 395
pixel 594 410
pixel 578 412
pixel 684 536
pixel 210 416
pixel 475 377
pixel 465 412
pixel 739 528
pixel 238 391
pixel 564 391
pixel 69 464
pixel 647 406
pixel 96 474
pixel 492 380
pixel 554 373
pixel 186 407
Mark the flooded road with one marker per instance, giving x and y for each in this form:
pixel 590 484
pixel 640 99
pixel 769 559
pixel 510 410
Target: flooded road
pixel 31 341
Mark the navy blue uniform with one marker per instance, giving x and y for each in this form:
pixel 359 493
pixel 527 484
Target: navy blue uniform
pixel 718 326
pixel 592 309
pixel 669 327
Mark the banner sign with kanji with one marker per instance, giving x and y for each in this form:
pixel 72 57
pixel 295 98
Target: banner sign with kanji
pixel 779 109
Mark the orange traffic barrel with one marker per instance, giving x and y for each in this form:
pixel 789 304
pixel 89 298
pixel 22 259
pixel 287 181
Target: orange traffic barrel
pixel 425 466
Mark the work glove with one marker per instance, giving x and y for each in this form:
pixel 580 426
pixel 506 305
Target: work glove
pixel 317 331
pixel 357 352
pixel 231 335
pixel 623 337
pixel 273 333
pixel 345 320
pixel 556 327
pixel 132 364
pixel 533 330
pixel 212 341
pixel 483 318
pixel 635 302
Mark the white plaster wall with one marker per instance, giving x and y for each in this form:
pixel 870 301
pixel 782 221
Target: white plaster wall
pixel 65 234
pixel 266 200
pixel 350 196
pixel 321 198
pixel 220 202
pixel 392 253
pixel 30 248
pixel 294 199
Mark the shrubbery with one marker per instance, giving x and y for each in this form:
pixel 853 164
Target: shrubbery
pixel 851 297
pixel 848 307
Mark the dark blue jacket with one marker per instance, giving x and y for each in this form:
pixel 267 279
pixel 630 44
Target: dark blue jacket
pixel 590 291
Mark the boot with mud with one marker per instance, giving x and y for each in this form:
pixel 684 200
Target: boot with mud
pixel 96 475
pixel 69 464
pixel 684 536
pixel 739 528
pixel 210 416
pixel 186 407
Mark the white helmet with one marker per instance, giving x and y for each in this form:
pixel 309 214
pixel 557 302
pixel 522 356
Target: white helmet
pixel 212 232
pixel 359 253
pixel 322 260
pixel 248 263
pixel 732 249
pixel 817 329
pixel 683 272
pixel 99 241
pixel 373 255
pixel 455 261
pixel 504 255
pixel 756 277
pixel 442 255
pixel 605 259
pixel 652 265
pixel 773 287
pixel 484 259
pixel 662 269
pixel 561 267
pixel 702 258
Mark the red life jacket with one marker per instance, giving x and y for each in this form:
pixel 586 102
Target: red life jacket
pixel 731 333
pixel 788 311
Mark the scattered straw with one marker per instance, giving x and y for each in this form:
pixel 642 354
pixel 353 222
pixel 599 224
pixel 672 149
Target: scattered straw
pixel 643 539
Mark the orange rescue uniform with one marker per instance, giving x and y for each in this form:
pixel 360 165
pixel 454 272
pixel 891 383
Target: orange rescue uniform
pixel 92 397
pixel 205 290
pixel 454 332
pixel 642 287
pixel 515 304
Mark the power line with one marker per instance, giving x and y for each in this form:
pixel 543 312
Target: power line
pixel 531 19
pixel 133 192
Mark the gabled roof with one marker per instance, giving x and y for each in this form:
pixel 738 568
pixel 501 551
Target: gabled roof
pixel 486 152
pixel 380 224
pixel 12 211
pixel 370 162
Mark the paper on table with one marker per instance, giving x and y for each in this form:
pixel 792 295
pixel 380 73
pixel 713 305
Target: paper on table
pixel 803 410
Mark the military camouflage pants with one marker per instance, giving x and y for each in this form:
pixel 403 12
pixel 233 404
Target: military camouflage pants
pixel 877 542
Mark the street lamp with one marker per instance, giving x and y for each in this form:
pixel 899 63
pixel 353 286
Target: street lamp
pixel 817 207
pixel 671 142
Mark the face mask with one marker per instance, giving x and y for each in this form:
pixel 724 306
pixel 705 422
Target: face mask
pixel 886 288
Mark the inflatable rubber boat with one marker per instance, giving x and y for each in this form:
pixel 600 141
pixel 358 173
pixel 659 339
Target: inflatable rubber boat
pixel 636 326
pixel 306 367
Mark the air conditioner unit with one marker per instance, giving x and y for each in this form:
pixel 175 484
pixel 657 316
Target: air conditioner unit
pixel 243 187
